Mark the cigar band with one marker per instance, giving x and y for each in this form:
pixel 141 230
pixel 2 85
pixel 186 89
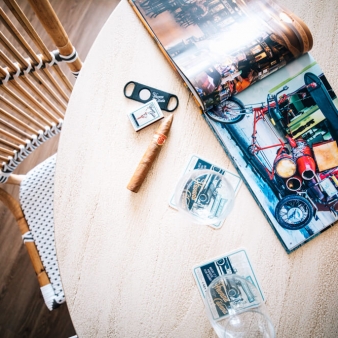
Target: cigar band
pixel 159 138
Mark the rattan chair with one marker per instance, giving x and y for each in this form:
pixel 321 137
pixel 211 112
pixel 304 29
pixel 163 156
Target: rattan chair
pixel 34 95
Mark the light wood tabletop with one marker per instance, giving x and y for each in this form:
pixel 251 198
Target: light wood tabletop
pixel 126 258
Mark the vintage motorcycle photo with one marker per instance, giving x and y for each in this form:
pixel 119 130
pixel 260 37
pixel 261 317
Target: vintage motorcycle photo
pixel 304 170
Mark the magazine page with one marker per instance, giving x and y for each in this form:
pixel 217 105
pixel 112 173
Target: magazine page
pixel 221 47
pixel 285 148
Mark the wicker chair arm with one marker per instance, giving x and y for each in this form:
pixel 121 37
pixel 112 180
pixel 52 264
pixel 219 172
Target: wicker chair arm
pixel 15 179
pixel 13 205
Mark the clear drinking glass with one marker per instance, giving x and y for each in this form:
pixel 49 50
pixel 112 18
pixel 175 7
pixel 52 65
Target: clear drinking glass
pixel 235 309
pixel 204 196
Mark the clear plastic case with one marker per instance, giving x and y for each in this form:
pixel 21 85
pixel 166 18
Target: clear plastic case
pixel 204 196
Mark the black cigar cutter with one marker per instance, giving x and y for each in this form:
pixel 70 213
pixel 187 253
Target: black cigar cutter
pixel 144 94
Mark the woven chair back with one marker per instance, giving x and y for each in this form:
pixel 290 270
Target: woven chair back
pixel 34 91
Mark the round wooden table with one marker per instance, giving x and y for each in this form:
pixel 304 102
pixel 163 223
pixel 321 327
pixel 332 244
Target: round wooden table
pixel 126 259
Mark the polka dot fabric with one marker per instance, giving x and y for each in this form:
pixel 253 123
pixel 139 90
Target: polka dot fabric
pixel 36 198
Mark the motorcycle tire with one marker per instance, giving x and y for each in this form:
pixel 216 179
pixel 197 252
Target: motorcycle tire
pixel 293 212
pixel 233 111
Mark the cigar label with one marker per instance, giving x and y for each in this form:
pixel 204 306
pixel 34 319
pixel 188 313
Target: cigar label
pixel 158 139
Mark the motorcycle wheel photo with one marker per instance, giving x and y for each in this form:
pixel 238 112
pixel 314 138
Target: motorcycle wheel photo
pixel 293 212
pixel 232 111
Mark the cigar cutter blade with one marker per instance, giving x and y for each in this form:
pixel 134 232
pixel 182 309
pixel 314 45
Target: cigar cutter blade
pixel 142 93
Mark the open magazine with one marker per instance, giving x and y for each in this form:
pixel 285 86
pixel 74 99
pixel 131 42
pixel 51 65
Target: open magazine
pixel 265 98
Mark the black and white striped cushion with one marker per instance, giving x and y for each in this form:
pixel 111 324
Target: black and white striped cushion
pixel 36 198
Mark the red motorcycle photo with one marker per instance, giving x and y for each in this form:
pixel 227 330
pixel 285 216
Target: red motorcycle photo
pixel 304 170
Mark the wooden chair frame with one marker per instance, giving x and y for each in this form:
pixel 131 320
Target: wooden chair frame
pixel 48 116
pixel 36 121
pixel 14 206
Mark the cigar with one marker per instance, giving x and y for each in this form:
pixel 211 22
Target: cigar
pixel 149 156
